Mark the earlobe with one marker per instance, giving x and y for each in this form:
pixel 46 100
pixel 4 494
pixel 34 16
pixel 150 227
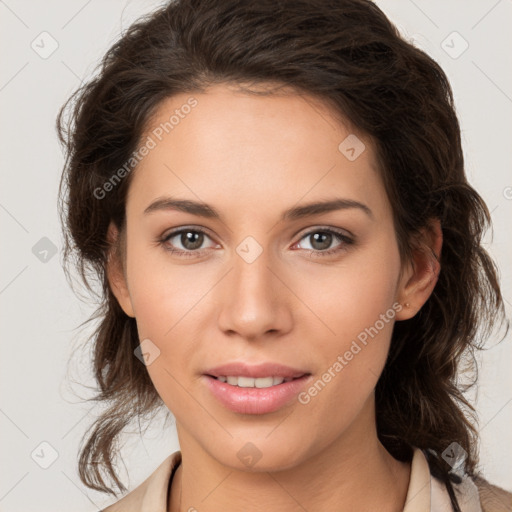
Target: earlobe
pixel 115 273
pixel 420 278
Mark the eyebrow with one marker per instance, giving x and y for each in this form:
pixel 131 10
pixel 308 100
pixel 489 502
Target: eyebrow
pixel 294 213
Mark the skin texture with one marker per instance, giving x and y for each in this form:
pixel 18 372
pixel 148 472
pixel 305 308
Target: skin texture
pixel 251 158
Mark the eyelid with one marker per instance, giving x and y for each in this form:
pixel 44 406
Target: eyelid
pixel 307 231
pixel 314 229
pixel 178 230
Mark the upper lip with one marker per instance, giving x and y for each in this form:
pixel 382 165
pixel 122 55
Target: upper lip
pixel 240 369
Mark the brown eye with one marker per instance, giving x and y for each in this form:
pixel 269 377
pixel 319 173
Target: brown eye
pixel 186 242
pixel 321 241
pixel 191 240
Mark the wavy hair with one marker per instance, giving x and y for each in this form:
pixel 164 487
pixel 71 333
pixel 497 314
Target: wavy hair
pixel 347 53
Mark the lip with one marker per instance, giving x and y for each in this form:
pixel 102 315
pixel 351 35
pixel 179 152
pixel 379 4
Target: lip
pixel 240 369
pixel 255 400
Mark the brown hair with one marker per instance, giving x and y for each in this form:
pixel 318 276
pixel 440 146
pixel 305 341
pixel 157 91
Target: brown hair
pixel 347 53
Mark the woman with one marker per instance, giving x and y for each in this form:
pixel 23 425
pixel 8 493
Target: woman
pixel 274 199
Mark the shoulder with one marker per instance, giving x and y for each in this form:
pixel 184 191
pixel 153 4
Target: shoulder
pixel 151 494
pixel 492 497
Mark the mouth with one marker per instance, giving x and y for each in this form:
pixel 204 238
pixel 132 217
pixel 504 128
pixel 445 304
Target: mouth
pixel 255 395
pixel 252 382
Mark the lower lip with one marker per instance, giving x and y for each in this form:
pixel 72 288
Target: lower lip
pixel 255 400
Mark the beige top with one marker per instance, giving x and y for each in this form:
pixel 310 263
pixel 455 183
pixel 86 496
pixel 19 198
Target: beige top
pixel 425 493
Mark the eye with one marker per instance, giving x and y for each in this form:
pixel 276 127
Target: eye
pixel 321 241
pixel 191 239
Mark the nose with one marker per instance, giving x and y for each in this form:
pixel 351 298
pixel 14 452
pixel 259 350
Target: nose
pixel 255 301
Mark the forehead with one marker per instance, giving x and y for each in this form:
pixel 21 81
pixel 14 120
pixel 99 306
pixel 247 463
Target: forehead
pixel 226 146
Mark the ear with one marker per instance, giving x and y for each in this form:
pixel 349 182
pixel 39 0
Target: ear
pixel 421 273
pixel 115 273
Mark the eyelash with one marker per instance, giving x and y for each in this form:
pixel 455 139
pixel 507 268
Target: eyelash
pixel 346 241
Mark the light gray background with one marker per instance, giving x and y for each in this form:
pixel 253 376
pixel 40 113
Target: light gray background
pixel 40 400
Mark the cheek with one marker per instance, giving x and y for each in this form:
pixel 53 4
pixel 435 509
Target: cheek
pixel 165 300
pixel 162 292
pixel 357 308
pixel 351 297
pixel 167 309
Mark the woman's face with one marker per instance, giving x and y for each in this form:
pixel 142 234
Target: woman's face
pixel 318 293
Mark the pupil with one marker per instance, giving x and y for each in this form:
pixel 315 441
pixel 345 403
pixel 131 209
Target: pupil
pixel 324 237
pixel 187 239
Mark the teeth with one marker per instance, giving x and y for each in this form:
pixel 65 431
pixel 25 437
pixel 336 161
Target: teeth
pixel 250 382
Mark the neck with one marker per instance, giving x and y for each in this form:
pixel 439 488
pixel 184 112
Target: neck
pixel 349 474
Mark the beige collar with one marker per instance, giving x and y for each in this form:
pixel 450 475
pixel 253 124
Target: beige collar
pixel 425 493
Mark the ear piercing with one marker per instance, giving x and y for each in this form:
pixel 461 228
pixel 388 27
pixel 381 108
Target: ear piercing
pixel 406 305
